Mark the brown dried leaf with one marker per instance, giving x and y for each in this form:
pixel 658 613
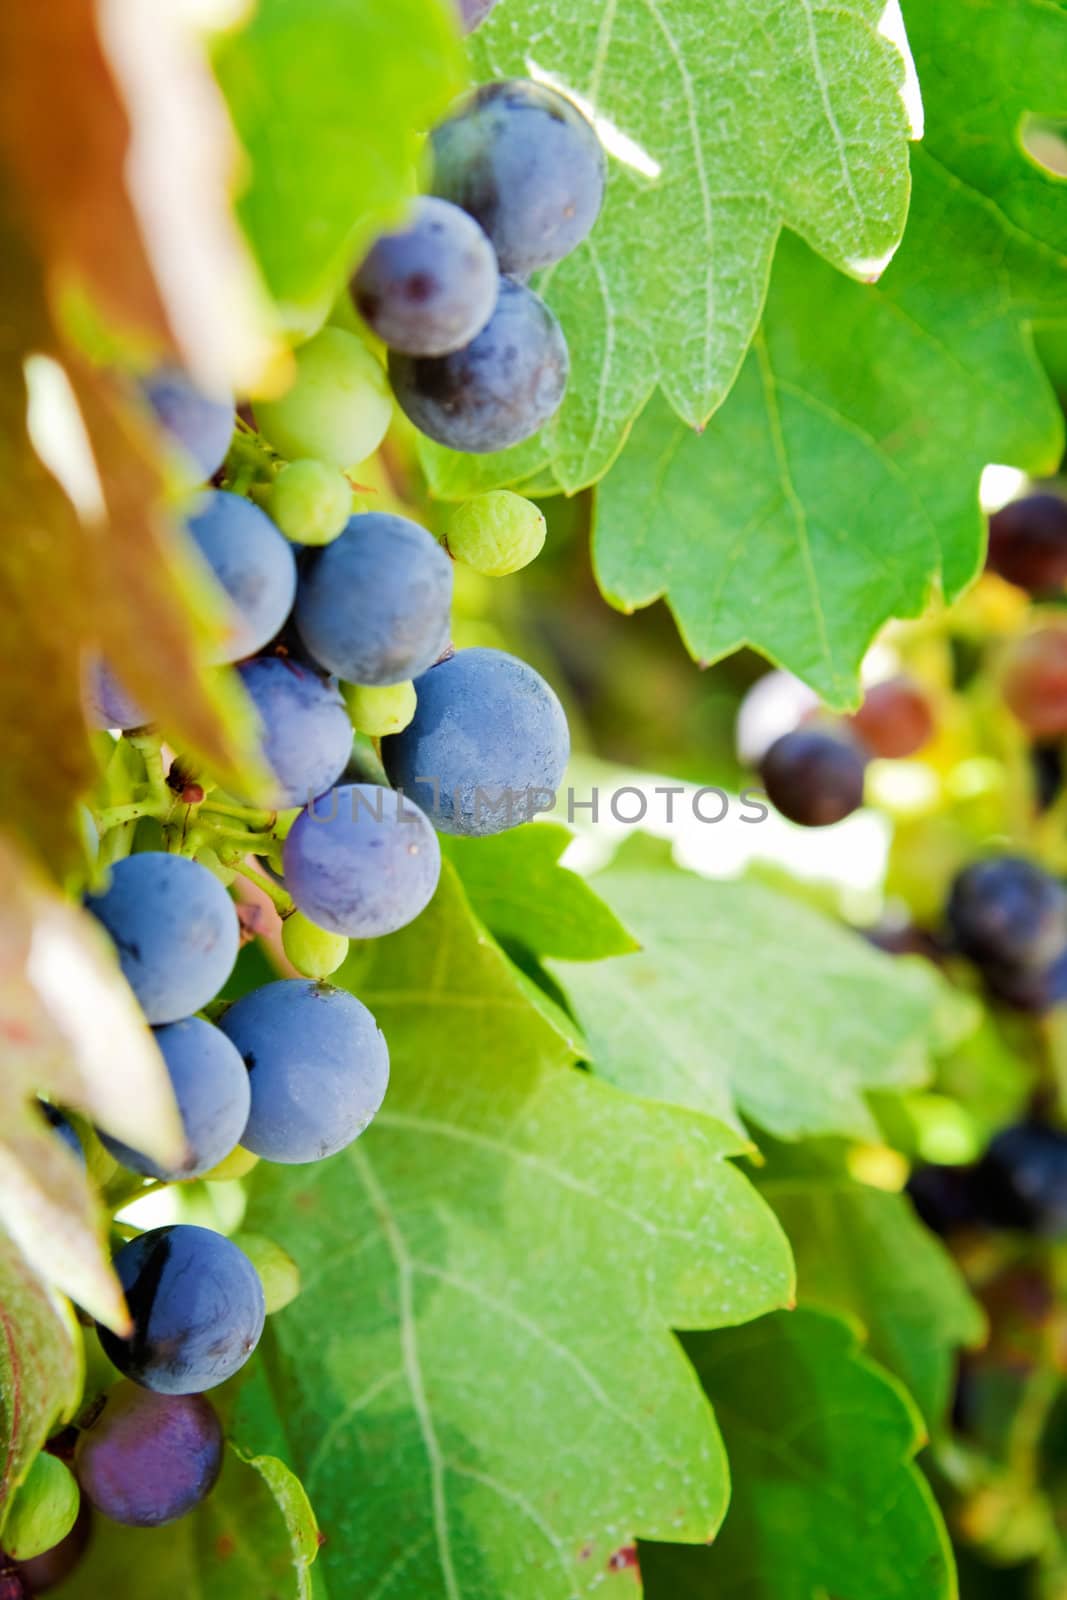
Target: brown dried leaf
pixel 124 217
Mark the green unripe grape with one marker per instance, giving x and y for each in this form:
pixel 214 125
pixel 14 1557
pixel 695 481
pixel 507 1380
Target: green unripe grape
pixel 339 406
pixel 313 951
pixel 43 1509
pixel 238 1164
pixel 311 502
pixel 496 533
pixel 278 1272
pixel 377 712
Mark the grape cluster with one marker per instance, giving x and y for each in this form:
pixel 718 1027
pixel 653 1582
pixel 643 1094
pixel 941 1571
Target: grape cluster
pixel 337 623
pixel 814 769
pixel 1008 916
pixel 477 361
pixel 1018 1185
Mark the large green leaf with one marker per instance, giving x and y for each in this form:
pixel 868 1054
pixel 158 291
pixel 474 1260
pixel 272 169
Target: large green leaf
pixel 747 1003
pixel 328 98
pixel 838 484
pixel 40 1366
pixel 254 1538
pixel 826 1500
pixel 863 1252
pixel 477 1379
pixel 724 124
pixel 522 893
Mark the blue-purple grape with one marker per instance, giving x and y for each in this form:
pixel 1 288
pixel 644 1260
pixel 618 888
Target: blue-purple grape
pixel 1008 912
pixel 362 862
pixel 197 1308
pixel 107 704
pixel 211 1088
pixel 373 606
pixel 200 426
pixel 254 564
pixel 527 165
pixel 497 390
pixel 487 747
pixel 306 732
pixel 175 930
pixel 430 287
pixel 317 1064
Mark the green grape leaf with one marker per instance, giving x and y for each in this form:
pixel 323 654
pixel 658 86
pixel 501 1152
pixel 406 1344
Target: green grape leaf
pixel 328 99
pixel 72 1031
pixel 254 1538
pixel 524 896
pixel 826 1499
pixel 837 487
pixel 746 1003
pixel 863 1252
pixel 510 1239
pixel 40 1366
pixel 723 124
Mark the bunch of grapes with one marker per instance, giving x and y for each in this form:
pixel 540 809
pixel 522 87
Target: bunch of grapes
pixel 813 768
pixel 376 735
pixel 477 361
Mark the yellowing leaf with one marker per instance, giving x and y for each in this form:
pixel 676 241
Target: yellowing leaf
pixel 40 1366
pixel 87 219
pixel 69 1029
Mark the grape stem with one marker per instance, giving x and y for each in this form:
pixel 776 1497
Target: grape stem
pixel 116 816
pixel 151 753
pixel 130 1189
pixel 279 898
pixel 255 819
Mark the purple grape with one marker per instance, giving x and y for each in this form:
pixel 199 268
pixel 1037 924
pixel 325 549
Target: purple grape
pixel 149 1458
pixel 430 287
pixel 47 1571
pixel 1028 543
pixel 813 777
pixel 197 1307
pixel 307 735
pixel 497 390
pixel 527 165
pixel 1008 912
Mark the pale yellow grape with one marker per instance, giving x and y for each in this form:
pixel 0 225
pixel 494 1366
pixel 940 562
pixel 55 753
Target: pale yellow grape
pixel 311 502
pixel 313 951
pixel 278 1272
pixel 496 533
pixel 380 711
pixel 238 1164
pixel 338 408
pixel 43 1509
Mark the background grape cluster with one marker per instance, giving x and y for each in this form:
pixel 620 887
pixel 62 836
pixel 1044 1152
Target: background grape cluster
pixel 338 621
